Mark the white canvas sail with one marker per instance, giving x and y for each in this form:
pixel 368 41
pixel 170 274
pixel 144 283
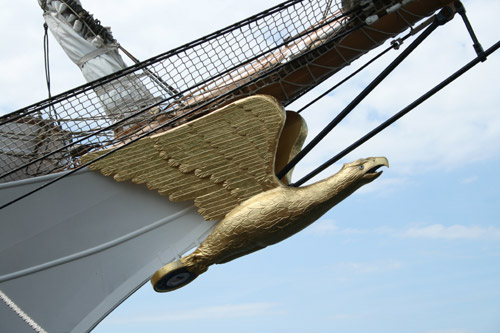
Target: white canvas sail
pixel 71 253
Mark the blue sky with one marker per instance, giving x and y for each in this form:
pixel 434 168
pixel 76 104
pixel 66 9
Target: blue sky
pixel 422 258
pixel 417 251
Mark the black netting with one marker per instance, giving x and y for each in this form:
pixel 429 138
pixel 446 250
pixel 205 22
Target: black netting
pixel 284 51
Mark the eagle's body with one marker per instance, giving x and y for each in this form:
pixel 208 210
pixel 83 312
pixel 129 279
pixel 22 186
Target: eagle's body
pixel 268 218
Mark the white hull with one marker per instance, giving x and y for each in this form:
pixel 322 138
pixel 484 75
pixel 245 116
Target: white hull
pixel 69 254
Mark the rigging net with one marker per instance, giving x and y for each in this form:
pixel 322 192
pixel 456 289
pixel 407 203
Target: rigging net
pixel 284 52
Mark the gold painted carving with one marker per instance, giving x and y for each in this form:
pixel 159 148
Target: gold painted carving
pixel 225 162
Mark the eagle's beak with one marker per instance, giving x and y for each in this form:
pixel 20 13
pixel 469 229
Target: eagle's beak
pixel 372 166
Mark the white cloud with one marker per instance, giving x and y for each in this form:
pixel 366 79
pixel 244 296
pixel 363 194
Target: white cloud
pixel 342 316
pixel 204 313
pixel 328 226
pixel 452 330
pixel 369 267
pixel 434 231
pixel 439 231
pixel 469 180
pixel 323 226
pixel 383 185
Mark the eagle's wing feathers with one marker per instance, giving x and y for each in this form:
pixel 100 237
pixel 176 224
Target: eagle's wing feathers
pixel 218 160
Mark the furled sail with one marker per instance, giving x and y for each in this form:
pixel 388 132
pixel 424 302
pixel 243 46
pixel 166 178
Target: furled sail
pixel 93 48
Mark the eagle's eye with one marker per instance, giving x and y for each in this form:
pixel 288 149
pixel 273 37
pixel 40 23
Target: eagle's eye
pixel 361 167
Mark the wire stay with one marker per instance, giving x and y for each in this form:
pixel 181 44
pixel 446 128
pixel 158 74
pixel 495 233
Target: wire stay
pixel 400 114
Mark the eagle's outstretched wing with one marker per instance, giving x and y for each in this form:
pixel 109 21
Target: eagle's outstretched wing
pixel 218 160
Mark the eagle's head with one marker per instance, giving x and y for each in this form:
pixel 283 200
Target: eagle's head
pixel 364 170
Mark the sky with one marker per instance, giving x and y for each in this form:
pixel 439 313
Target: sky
pixel 418 250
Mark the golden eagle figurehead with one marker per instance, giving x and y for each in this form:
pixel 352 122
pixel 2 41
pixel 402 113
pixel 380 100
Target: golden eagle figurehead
pixel 226 163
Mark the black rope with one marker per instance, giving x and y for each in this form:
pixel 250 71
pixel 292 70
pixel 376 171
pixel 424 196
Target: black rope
pixel 46 61
pixel 401 113
pixel 46 57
